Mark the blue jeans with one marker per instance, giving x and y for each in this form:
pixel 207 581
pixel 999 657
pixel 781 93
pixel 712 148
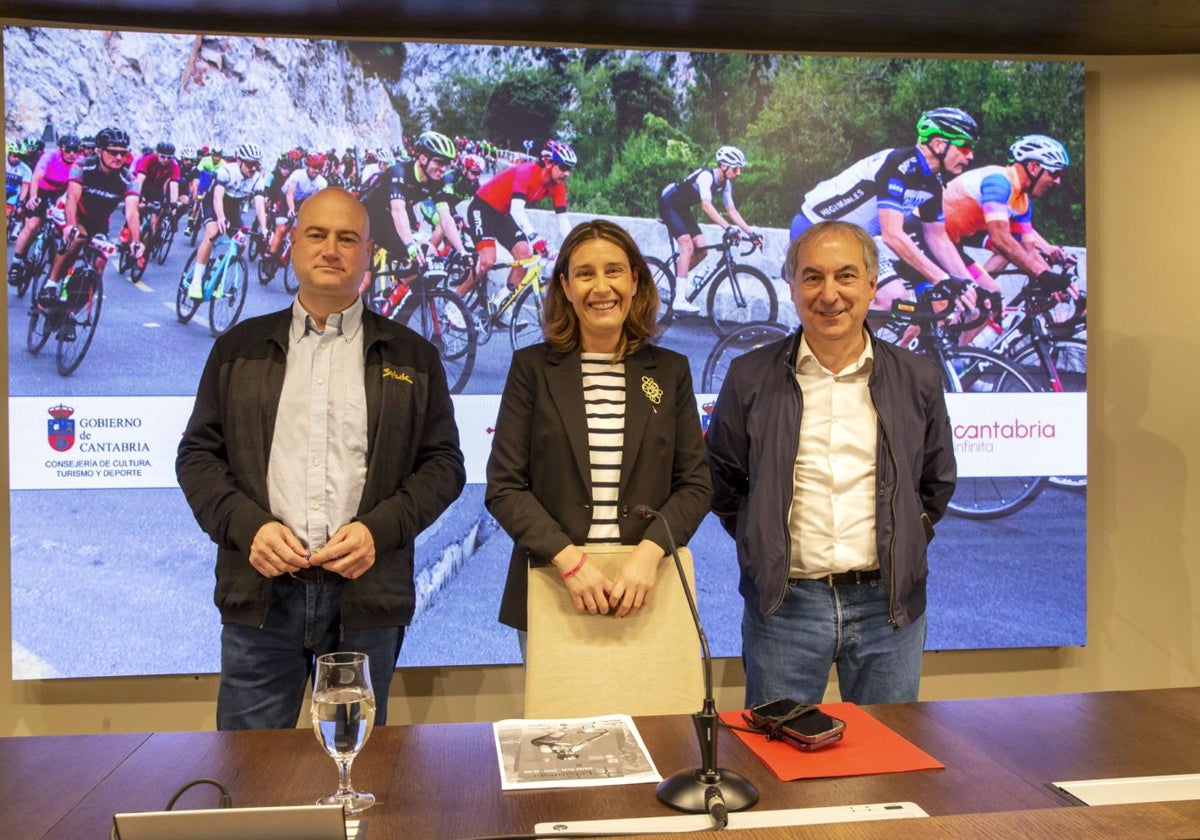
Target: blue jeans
pixel 265 670
pixel 789 653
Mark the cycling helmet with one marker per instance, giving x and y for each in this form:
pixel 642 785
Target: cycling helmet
pixel 315 160
pixel 187 153
pixel 89 142
pixel 249 152
pixel 473 164
pixel 35 145
pixel 165 148
pixel 557 151
pixel 436 145
pixel 147 150
pixel 386 158
pixel 14 148
pixel 69 143
pixel 369 156
pixel 1045 150
pixel 111 136
pixel 731 156
pixel 951 124
pixel 294 154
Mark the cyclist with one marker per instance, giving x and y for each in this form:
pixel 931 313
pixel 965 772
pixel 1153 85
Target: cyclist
pixel 46 186
pixel 301 184
pixel 497 212
pixel 93 191
pixel 237 183
pixel 675 205
pixel 879 191
pixel 998 201
pixel 394 197
pixel 286 165
pixel 158 176
pixel 17 176
pixel 371 165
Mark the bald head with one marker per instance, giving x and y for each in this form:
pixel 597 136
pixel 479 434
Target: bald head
pixel 331 250
pixel 337 202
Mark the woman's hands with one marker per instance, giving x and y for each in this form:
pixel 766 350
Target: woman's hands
pixel 593 592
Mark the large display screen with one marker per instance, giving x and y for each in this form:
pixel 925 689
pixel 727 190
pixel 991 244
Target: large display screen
pixel 112 576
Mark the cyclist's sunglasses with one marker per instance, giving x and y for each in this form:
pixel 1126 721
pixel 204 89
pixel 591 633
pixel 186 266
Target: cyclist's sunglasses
pixel 252 165
pixel 962 143
pixel 109 150
pixel 70 149
pixel 439 160
pixel 1052 173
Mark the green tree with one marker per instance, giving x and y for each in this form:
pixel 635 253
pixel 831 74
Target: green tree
pixel 524 104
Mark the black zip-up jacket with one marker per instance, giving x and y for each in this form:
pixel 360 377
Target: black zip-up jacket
pixel 754 437
pixel 414 463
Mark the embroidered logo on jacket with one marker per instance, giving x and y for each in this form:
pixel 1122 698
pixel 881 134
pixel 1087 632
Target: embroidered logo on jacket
pixel 388 373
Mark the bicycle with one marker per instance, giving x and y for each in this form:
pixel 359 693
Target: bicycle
pixel 415 297
pixel 964 370
pixel 223 285
pixel 136 266
pixel 269 264
pixel 737 293
pixel 168 226
pixel 72 318
pixel 522 305
pixel 38 258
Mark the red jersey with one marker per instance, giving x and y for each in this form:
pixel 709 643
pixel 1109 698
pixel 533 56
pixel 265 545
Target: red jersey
pixel 526 181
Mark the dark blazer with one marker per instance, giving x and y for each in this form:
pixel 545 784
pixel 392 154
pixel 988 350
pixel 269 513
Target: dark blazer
pixel 539 474
pixel 414 464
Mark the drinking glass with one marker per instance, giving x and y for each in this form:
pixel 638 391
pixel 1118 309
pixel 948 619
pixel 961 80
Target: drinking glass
pixel 343 712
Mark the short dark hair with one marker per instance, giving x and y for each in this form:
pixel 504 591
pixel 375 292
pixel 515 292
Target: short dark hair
pixel 822 230
pixel 561 326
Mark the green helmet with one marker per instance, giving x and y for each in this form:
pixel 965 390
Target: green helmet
pixel 14 147
pixel 436 145
pixel 951 124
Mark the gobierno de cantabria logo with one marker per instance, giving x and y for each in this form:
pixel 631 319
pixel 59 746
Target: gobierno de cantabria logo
pixel 60 428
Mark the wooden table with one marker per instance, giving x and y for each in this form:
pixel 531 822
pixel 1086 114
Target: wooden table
pixel 441 781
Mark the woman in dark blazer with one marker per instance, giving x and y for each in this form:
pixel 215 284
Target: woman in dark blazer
pixel 540 489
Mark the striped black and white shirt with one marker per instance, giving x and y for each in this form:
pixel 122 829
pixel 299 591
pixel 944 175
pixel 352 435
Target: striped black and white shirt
pixel 604 402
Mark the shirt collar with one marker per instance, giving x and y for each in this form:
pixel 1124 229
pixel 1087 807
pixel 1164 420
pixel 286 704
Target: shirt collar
pixel 346 323
pixel 806 361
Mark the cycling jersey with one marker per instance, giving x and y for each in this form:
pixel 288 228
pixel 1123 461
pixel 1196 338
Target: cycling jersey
pixel 102 192
pixel 277 180
pixel 696 188
pixel 158 174
pixel 15 174
pixel 304 185
pixel 891 179
pixel 403 182
pixel 206 171
pixel 986 194
pixel 526 181
pixel 239 189
pixel 56 172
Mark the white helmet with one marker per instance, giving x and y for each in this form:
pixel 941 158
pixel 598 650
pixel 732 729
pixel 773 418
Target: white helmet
pixel 1045 150
pixel 731 156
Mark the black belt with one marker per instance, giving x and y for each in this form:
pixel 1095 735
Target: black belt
pixel 315 574
pixel 842 578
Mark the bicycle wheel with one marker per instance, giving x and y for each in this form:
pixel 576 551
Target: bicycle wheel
pixel 166 238
pixel 40 328
pixel 1068 356
pixel 137 266
pixel 664 279
pixel 228 298
pixel 28 275
pixel 525 324
pixel 266 270
pixel 745 338
pixel 185 306
pixel 291 283
pixel 447 323
pixel 748 297
pixel 78 327
pixel 971 371
pixel 255 247
pixel 196 228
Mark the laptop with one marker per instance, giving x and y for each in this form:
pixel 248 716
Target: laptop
pixel 300 822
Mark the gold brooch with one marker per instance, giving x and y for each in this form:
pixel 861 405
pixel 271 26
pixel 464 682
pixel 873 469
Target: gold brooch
pixel 652 391
pixel 388 373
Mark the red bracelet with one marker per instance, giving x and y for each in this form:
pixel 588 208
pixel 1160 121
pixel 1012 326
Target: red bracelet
pixel 578 566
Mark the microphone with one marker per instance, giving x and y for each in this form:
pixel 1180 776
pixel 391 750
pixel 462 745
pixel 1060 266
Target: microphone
pixel 708 789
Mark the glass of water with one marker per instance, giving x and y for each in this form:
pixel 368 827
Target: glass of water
pixel 343 712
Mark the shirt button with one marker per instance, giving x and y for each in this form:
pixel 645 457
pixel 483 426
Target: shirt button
pixel 316 506
pixel 316 462
pixel 320 381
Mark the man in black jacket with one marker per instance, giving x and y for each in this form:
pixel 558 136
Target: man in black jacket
pixel 832 458
pixel 321 444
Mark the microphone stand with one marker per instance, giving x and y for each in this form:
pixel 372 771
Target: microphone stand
pixel 696 791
